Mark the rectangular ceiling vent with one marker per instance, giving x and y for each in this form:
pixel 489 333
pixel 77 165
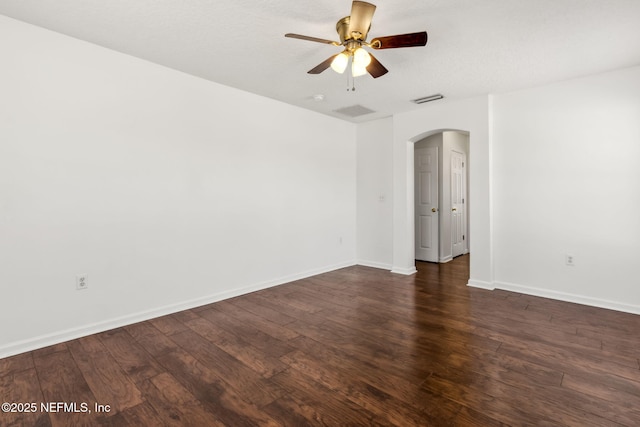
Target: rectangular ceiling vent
pixel 427 99
pixel 354 111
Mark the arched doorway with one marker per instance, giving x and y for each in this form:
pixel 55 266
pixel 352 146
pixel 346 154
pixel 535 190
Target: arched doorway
pixel 470 115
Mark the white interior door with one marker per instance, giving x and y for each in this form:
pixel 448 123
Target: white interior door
pixel 458 196
pixel 426 202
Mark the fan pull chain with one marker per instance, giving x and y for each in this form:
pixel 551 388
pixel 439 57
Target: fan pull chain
pixel 353 83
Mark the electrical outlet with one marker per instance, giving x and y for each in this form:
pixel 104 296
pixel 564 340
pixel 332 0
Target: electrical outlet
pixel 569 260
pixel 82 281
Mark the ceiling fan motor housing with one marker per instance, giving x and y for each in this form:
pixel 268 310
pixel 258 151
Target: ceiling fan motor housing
pixel 342 27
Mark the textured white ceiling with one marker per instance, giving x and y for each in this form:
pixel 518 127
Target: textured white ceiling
pixel 475 47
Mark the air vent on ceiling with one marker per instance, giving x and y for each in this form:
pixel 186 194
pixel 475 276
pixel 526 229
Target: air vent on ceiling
pixel 354 111
pixel 427 99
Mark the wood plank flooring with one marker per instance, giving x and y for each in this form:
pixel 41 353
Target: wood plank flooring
pixel 354 347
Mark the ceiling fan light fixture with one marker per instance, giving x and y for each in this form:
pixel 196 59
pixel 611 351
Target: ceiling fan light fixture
pixel 353 31
pixel 361 57
pixel 340 62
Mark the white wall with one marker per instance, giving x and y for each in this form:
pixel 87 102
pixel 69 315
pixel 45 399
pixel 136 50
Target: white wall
pixel 167 190
pixel 566 181
pixel 375 193
pixel 553 170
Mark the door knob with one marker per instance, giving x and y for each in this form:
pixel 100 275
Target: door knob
pixel 434 210
pixel 454 209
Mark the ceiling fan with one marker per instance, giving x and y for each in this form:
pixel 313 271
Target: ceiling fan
pixel 353 32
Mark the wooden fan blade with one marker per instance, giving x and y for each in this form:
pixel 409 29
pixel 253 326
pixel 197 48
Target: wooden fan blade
pixel 322 66
pixel 375 68
pixel 311 39
pixel 401 40
pixel 360 20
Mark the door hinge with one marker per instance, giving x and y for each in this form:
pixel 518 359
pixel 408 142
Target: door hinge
pixel 463 237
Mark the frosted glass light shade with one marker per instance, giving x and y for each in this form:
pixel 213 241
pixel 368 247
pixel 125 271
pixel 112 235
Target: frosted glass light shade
pixel 357 70
pixel 339 63
pixel 361 57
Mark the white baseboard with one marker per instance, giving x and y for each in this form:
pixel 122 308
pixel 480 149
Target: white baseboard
pixel 404 271
pixel 375 264
pixel 445 259
pixel 568 297
pixel 35 343
pixel 480 284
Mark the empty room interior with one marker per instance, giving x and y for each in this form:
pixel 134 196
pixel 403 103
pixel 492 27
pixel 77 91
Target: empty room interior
pixel 206 218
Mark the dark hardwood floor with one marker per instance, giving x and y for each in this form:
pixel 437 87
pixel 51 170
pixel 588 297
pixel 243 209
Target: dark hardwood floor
pixel 358 347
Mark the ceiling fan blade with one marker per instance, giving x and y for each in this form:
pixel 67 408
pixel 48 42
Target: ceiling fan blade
pixel 360 20
pixel 401 40
pixel 375 68
pixel 322 66
pixel 311 39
